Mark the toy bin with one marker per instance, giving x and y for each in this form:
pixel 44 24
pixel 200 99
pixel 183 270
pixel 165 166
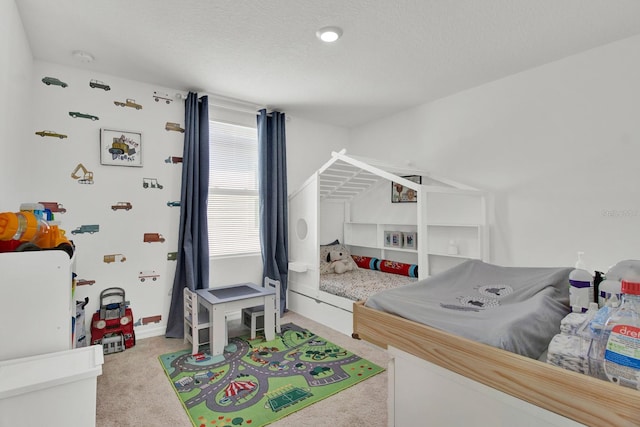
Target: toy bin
pixel 54 389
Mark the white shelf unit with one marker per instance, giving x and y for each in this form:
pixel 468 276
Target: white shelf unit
pixel 370 237
pixel 443 216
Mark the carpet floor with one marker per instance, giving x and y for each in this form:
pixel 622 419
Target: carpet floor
pixel 133 389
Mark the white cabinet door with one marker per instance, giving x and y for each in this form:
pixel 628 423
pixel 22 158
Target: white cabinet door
pixel 36 310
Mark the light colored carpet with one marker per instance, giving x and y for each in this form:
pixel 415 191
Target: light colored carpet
pixel 133 389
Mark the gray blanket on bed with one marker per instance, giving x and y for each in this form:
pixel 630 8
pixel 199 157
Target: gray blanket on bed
pixel 514 308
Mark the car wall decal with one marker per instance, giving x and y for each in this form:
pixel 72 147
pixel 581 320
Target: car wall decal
pixel 108 259
pixel 157 96
pixel 173 126
pixel 122 205
pixel 51 133
pixel 151 183
pixel 128 103
pixel 76 114
pixel 97 84
pixel 53 81
pixel 173 159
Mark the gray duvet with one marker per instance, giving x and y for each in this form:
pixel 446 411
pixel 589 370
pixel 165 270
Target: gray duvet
pixel 514 308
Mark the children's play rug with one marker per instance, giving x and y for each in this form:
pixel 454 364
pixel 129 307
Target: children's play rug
pixel 256 382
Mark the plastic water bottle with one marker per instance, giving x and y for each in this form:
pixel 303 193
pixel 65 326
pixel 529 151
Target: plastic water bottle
pixel 621 357
pixel 607 289
pixel 580 286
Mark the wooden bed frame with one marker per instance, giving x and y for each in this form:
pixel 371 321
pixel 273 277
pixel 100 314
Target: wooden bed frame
pixel 578 397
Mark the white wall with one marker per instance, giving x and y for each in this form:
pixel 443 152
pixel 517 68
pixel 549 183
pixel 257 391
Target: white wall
pixel 52 161
pixel 309 146
pixel 15 86
pixel 33 168
pixel 557 145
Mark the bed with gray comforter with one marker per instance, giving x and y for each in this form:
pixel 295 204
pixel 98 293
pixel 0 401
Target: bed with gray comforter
pixel 518 309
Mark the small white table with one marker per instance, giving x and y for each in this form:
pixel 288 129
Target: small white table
pixel 221 300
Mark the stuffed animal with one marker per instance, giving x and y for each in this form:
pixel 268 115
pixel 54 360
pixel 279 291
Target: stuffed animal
pixel 339 262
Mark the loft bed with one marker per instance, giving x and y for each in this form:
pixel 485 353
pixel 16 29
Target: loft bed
pixel 349 199
pixel 454 358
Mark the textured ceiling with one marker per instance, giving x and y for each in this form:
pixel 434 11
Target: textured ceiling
pixel 393 54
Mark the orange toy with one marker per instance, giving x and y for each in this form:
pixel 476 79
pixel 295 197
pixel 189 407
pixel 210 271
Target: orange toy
pixel 22 226
pixel 24 230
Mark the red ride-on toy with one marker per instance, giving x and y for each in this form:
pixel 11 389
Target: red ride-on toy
pixel 112 325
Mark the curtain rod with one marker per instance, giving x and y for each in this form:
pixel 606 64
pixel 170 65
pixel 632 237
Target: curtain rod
pixel 229 103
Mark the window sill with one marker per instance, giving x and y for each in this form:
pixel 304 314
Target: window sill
pixel 247 255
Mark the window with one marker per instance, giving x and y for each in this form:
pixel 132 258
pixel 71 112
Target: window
pixel 232 208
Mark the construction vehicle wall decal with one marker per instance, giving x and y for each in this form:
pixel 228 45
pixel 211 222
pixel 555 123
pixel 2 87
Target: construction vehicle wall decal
pixel 151 183
pixel 87 177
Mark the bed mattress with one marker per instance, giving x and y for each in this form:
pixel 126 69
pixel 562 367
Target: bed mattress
pixel 359 283
pixel 518 309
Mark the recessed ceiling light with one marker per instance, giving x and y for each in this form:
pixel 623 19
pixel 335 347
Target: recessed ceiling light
pixel 329 34
pixel 82 56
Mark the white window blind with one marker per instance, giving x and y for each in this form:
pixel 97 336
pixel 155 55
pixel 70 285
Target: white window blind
pixel 232 208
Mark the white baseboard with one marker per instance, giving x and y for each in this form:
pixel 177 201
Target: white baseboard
pixel 143 332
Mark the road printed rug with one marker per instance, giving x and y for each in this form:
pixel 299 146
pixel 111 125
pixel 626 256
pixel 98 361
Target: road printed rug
pixel 257 382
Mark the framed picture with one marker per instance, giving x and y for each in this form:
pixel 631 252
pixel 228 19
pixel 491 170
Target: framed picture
pixel 120 148
pixel 396 239
pixel 402 194
pixel 410 240
pixel 387 238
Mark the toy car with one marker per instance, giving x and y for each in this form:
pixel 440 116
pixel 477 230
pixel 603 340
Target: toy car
pixel 174 203
pixel 128 103
pixel 122 205
pixel 53 81
pixel 112 325
pixel 84 282
pixel 75 114
pixel 97 84
pixel 51 133
pixel 173 126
